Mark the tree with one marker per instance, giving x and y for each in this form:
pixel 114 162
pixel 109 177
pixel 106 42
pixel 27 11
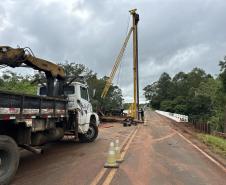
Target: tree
pixel 165 87
pixel 222 76
pixel 161 90
pixel 167 105
pixel 11 81
pixel 195 94
pixel 150 93
pixel 199 108
pixel 180 84
pixel 77 70
pixel 113 100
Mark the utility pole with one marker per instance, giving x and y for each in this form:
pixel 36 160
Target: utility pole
pixel 135 17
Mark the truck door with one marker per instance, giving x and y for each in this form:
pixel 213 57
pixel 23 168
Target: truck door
pixel 87 108
pixel 85 102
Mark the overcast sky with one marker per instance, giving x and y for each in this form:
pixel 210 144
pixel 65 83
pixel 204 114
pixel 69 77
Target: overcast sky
pixel 174 35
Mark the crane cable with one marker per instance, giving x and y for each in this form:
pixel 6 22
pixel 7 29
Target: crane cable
pixel 120 66
pixel 116 65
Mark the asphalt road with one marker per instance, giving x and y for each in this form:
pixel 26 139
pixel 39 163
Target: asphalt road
pixel 159 156
pixel 154 155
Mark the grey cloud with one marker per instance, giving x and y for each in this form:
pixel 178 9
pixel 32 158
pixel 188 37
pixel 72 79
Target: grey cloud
pixel 174 35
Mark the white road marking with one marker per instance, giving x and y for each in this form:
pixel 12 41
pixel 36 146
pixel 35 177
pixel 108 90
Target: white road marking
pixel 202 152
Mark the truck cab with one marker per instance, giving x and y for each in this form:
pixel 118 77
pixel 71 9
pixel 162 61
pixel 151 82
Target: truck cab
pixel 79 101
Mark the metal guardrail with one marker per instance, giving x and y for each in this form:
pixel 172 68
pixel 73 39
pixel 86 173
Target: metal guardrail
pixel 174 116
pixel 202 127
pixel 198 126
pixel 206 128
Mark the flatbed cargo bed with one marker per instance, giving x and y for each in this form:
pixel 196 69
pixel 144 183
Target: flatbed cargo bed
pixel 24 106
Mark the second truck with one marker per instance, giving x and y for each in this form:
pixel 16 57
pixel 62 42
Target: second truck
pixel 61 107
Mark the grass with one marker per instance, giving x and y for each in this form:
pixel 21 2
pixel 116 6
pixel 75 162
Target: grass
pixel 217 144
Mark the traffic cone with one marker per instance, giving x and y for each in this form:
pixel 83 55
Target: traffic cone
pixel 117 151
pixel 111 158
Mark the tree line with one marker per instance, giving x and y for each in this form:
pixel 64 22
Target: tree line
pixel 197 94
pixel 27 84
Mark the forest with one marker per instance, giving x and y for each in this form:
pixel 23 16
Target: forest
pixel 197 94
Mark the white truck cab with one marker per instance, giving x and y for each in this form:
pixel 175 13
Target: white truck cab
pixel 78 99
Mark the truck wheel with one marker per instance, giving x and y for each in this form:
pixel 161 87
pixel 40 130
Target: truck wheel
pixel 90 135
pixel 9 159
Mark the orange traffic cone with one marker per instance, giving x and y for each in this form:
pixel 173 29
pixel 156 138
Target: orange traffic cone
pixel 117 151
pixel 111 158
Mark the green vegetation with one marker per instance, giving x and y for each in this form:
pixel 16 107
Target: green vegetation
pixel 217 144
pixel 10 81
pixel 196 94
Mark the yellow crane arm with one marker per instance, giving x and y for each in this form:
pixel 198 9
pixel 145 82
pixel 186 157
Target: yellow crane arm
pixel 46 66
pixel 23 57
pixel 17 57
pixel 115 67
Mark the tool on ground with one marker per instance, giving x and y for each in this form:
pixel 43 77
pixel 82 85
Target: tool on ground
pixel 118 151
pixel 111 158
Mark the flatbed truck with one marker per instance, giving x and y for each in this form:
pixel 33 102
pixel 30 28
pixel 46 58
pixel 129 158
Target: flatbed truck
pixel 30 121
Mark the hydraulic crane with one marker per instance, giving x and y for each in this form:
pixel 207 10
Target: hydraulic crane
pixel 23 57
pixel 135 105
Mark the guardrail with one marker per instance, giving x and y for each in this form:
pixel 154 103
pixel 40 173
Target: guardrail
pixel 173 116
pixel 198 126
pixel 201 127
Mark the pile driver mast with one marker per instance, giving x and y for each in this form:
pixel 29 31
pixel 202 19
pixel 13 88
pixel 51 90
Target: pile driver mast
pixel 135 105
pixel 135 108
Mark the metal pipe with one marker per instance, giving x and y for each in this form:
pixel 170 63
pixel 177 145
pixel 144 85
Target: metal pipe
pixel 32 149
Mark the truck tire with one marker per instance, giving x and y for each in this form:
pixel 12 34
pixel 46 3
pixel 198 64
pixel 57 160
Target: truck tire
pixel 91 134
pixel 9 159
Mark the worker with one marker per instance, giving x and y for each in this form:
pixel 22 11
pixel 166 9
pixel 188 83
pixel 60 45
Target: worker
pixel 142 114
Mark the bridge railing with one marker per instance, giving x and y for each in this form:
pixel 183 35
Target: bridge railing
pixel 203 127
pixel 174 116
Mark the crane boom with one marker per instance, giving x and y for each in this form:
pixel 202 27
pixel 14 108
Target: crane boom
pixel 115 67
pixel 16 57
pixel 22 57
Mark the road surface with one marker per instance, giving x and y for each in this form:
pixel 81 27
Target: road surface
pixel 154 155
